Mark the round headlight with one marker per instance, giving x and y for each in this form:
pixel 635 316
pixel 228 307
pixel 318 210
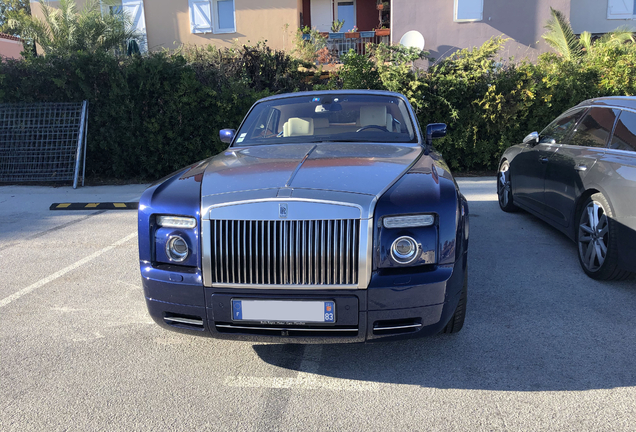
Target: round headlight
pixel 404 250
pixel 177 248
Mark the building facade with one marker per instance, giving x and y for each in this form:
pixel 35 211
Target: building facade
pixel 449 25
pixel 446 25
pixel 599 16
pixel 170 23
pixel 10 46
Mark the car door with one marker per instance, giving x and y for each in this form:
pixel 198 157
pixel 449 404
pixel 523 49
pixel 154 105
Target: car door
pixel 572 160
pixel 528 168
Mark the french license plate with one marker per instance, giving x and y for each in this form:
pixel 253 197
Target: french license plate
pixel 287 311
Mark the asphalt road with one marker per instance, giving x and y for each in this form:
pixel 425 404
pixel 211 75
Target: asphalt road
pixel 543 348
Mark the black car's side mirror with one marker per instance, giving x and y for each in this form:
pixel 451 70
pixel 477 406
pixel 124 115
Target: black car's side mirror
pixel 435 130
pixel 532 138
pixel 227 135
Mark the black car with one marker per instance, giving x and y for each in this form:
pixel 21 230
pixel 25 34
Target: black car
pixel 329 218
pixel 579 175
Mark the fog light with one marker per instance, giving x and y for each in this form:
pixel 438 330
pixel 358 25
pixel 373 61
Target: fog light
pixel 404 250
pixel 177 248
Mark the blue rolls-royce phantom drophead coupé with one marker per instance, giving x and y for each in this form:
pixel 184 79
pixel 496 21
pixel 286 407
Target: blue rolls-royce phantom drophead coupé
pixel 329 218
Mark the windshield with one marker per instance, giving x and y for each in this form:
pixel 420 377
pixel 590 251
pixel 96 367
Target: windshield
pixel 328 118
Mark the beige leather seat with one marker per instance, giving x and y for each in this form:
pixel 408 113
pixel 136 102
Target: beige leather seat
pixel 321 126
pixel 298 126
pixel 376 116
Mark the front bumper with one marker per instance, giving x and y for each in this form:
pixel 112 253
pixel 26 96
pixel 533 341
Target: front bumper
pixel 393 306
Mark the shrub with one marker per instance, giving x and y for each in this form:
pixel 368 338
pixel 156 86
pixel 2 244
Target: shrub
pixel 151 115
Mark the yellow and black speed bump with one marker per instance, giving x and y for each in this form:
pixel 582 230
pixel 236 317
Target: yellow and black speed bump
pixel 95 206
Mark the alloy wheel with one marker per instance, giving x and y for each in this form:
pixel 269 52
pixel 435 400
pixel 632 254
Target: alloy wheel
pixel 593 236
pixel 504 187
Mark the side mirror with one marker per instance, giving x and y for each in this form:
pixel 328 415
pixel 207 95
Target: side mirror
pixel 533 136
pixel 435 130
pixel 227 135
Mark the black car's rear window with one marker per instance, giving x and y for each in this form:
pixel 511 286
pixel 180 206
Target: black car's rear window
pixel 625 132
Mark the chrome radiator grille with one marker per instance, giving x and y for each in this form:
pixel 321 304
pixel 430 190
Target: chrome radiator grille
pixel 286 252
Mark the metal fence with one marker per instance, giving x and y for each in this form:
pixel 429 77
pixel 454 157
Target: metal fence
pixel 43 142
pixel 340 43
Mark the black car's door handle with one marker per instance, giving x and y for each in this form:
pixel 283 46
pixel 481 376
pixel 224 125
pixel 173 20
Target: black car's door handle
pixel 543 160
pixel 580 167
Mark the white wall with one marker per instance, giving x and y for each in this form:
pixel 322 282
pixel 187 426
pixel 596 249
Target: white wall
pixel 591 16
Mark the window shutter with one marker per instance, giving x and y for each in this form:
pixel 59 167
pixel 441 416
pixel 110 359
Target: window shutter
pixel 135 10
pixel 200 16
pixel 620 9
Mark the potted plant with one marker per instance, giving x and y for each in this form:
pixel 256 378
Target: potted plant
pixel 336 26
pixel 354 33
pixel 382 31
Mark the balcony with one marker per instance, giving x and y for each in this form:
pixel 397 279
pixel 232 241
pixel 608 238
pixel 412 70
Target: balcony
pixel 339 44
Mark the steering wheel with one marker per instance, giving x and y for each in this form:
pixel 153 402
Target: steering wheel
pixel 382 128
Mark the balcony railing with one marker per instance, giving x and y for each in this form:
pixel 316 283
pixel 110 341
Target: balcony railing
pixel 340 43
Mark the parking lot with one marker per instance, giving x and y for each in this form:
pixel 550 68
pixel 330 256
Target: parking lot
pixel 543 348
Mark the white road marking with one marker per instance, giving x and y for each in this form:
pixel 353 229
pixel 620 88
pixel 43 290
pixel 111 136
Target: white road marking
pixel 307 378
pixel 24 291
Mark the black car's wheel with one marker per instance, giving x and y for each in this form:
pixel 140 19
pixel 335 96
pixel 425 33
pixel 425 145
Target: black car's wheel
pixel 596 240
pixel 457 321
pixel 504 189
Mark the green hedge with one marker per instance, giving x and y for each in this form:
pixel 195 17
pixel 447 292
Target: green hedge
pixel 150 115
pixel 488 103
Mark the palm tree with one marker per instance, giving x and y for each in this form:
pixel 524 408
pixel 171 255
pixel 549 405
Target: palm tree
pixel 63 30
pixel 559 35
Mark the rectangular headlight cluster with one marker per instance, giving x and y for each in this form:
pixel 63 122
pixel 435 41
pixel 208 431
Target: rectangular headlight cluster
pixel 176 222
pixel 409 221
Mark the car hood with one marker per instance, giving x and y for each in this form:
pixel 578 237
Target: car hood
pixel 358 168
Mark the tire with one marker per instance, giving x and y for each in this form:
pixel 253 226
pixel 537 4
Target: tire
pixel 504 189
pixel 457 321
pixel 596 239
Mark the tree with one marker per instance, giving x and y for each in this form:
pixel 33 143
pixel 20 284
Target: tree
pixel 13 9
pixel 64 30
pixel 16 10
pixel 561 37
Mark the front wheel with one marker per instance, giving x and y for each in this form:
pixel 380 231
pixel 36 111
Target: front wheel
pixel 457 321
pixel 504 189
pixel 596 240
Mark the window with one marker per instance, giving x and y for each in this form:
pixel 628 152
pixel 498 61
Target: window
pixel 595 129
pixel 224 16
pixel 114 8
pixel 212 16
pixel 560 128
pixel 134 10
pixel 625 132
pixel 469 10
pixel 621 9
pixel 347 13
